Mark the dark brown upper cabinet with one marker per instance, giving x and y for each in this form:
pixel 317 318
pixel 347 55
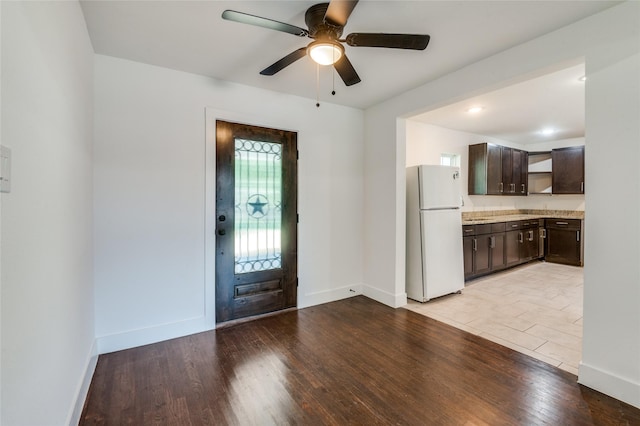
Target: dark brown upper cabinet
pixel 497 170
pixel 568 170
pixel 514 171
pixel 485 169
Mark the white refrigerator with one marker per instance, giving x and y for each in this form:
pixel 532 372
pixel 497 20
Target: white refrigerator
pixel 434 232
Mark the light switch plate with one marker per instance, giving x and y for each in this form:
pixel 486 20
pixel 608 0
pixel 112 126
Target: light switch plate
pixel 5 169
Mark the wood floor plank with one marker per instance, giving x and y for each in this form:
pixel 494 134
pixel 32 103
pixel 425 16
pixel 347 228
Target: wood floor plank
pixel 353 361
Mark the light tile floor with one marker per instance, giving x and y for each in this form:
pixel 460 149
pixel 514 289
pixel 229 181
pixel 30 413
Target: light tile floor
pixel 535 309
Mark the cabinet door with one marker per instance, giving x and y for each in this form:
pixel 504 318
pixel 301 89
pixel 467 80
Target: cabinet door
pixel 482 251
pixel 494 170
pixel 507 170
pixel 513 241
pixel 515 165
pixel 485 169
pixel 568 170
pixel 542 239
pixel 467 250
pixel 530 244
pixel 563 246
pixel 520 172
pixel 496 242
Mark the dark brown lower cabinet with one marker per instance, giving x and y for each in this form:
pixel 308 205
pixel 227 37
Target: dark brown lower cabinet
pixel 491 247
pixel 564 241
pixel 513 238
pixel 496 244
pixel 529 249
pixel 483 247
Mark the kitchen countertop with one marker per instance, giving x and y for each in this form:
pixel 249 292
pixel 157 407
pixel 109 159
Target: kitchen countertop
pixel 495 216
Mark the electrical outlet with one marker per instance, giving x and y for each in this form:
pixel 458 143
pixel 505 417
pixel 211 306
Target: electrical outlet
pixel 5 169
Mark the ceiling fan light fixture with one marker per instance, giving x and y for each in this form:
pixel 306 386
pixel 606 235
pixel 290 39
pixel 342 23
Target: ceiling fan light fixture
pixel 325 52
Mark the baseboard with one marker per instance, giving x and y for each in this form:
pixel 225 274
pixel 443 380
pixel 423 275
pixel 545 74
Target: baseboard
pixel 320 297
pixel 146 336
pixel 609 384
pixel 386 298
pixel 83 386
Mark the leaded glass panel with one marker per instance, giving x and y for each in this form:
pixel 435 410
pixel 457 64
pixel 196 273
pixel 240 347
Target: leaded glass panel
pixel 258 205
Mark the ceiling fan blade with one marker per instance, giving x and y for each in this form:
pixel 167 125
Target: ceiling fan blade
pixel 395 41
pixel 258 21
pixel 285 62
pixel 346 71
pixel 339 11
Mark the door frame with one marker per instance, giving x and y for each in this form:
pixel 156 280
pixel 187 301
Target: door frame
pixel 211 115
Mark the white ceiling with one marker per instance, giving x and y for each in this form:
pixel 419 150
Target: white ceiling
pixel 520 112
pixel 191 36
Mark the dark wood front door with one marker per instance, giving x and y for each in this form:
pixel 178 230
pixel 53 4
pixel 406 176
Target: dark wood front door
pixel 256 220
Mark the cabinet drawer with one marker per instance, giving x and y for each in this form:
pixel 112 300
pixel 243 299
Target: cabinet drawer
pixel 563 223
pixel 513 225
pixel 528 224
pixel 485 228
pixel 468 230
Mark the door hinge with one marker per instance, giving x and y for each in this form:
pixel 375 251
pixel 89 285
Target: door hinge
pixel 297 154
pixel 297 218
pixel 296 282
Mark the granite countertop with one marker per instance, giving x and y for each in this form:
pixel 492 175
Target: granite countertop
pixel 494 216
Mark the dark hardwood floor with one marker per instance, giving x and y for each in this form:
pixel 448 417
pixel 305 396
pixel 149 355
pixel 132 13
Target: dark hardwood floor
pixel 349 362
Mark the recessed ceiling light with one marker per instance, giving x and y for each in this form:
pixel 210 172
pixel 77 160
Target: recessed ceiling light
pixel 475 109
pixel 583 78
pixel 548 131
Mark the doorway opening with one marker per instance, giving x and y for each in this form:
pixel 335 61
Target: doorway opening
pixel 538 115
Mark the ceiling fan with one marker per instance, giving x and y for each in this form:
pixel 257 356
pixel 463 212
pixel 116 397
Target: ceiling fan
pixel 325 22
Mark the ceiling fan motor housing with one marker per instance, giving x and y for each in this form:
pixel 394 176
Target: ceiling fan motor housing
pixel 318 27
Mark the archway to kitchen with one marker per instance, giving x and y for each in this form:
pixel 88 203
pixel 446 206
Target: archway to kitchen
pixel 536 307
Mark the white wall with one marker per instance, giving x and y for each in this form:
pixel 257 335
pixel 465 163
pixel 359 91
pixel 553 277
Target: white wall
pixel 608 43
pixel 47 290
pixel 0 220
pixel 611 343
pixel 153 166
pixel 426 142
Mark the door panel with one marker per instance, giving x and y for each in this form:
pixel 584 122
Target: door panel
pixel 497 251
pixel 482 254
pixel 495 184
pixel 568 170
pixel 512 247
pixel 256 220
pixel 467 249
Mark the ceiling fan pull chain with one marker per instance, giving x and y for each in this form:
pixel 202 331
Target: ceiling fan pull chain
pixel 333 76
pixel 333 92
pixel 318 85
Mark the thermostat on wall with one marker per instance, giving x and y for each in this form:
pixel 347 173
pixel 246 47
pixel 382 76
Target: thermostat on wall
pixel 5 169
